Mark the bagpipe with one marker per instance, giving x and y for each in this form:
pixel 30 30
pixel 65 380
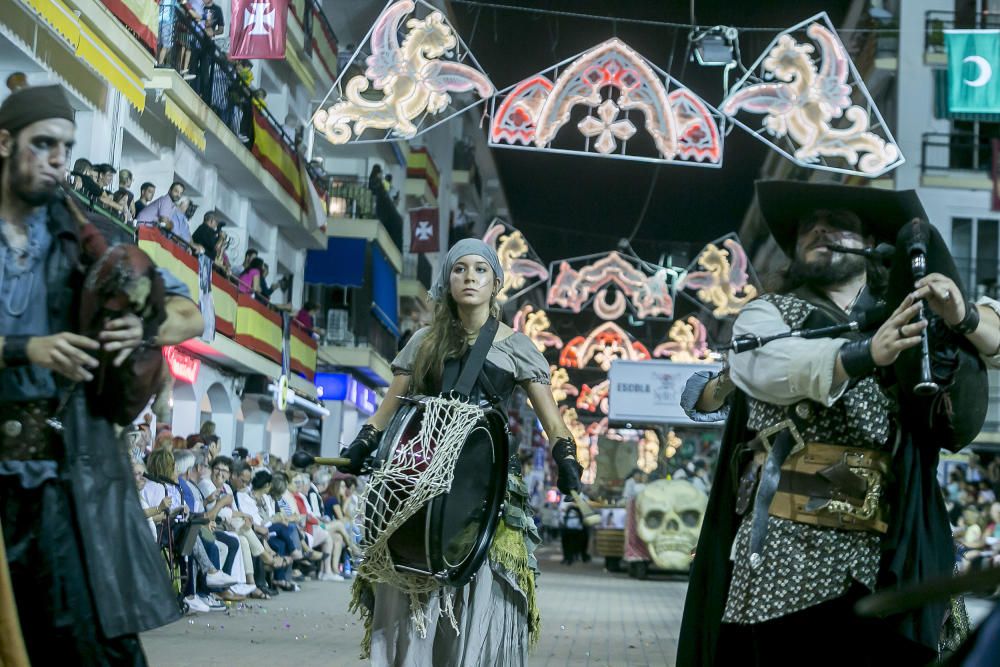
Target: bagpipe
pixel 943 377
pixel 119 280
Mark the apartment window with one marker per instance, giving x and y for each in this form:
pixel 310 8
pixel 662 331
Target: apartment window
pixel 975 245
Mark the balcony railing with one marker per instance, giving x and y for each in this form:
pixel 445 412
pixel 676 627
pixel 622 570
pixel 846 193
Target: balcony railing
pixel 353 324
pixel 954 152
pixel 350 197
pixel 936 22
pixel 185 46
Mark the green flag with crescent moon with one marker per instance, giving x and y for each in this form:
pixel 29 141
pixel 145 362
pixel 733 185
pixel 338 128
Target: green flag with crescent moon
pixel 973 71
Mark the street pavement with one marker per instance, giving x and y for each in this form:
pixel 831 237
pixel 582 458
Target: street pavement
pixel 589 617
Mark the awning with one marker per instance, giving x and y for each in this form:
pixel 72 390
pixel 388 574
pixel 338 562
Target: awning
pixel 185 124
pixel 91 49
pixel 341 264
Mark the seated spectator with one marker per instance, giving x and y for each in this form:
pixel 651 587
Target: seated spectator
pixel 209 235
pixel 154 515
pixel 282 538
pixel 161 211
pixel 123 195
pixel 250 280
pixel 146 193
pixel 329 542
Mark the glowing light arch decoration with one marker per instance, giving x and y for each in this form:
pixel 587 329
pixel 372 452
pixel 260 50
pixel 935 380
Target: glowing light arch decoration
pixel 687 342
pixel 562 388
pixel 603 345
pixel 535 325
pixel 649 295
pixel 593 399
pixel 413 79
pixel 721 277
pixel 819 116
pixel 522 267
pixel 586 437
pixel 535 113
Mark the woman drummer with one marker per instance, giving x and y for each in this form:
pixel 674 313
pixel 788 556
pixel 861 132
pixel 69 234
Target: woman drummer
pixel 496 613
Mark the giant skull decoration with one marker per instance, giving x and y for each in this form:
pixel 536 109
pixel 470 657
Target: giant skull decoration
pixel 669 514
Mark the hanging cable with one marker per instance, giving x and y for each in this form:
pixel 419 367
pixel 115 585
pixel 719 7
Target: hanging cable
pixel 645 205
pixel 647 22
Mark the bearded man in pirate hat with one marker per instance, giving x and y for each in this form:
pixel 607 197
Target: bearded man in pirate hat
pixel 826 483
pixel 86 577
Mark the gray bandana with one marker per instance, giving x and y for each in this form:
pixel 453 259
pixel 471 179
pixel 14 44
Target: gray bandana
pixel 458 251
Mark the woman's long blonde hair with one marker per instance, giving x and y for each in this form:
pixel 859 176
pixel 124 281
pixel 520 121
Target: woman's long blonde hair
pixel 445 340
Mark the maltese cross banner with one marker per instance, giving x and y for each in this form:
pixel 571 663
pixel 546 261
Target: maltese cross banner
pixel 258 29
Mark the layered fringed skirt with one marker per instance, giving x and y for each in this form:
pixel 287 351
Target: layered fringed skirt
pixel 489 622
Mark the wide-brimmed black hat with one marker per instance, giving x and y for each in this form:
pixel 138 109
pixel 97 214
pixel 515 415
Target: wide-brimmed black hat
pixel 883 212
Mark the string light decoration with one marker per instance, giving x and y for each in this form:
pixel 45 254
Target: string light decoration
pixel 649 451
pixel 594 398
pixel 586 437
pixel 602 346
pixel 535 325
pixel 560 385
pixel 406 87
pixel 819 115
pixel 721 277
pixel 687 343
pixel 522 267
pixel 673 445
pixel 650 295
pixel 532 114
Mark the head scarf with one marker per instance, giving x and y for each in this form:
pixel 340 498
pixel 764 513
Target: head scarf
pixel 458 251
pixel 29 105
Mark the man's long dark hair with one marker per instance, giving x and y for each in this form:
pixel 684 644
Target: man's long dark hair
pixel 786 280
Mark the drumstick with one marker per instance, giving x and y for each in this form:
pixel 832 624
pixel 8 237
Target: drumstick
pixel 336 461
pixel 590 517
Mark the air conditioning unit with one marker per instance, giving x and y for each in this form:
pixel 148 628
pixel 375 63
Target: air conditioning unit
pixel 337 330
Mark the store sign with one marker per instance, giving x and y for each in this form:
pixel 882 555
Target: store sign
pixel 343 387
pixel 181 366
pixel 649 392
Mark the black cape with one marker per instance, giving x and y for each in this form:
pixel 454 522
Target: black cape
pixel 125 571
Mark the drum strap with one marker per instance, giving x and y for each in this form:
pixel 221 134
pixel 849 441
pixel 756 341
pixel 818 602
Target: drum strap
pixel 462 383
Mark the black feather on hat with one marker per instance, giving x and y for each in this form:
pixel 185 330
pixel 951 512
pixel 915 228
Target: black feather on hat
pixel 882 212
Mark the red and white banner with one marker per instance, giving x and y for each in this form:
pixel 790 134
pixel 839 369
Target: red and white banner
pixel 425 232
pixel 258 29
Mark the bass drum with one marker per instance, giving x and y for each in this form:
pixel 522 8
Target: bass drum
pixel 450 535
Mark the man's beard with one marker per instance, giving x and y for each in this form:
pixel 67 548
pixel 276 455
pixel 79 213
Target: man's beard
pixel 20 186
pixel 826 272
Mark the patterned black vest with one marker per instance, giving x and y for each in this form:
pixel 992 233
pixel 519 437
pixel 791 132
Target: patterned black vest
pixel 860 418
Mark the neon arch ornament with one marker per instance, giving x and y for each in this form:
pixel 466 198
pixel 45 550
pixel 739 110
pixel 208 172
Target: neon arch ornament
pixel 816 109
pixel 602 346
pixel 535 325
pixel 647 115
pixel 411 73
pixel 578 283
pixel 522 267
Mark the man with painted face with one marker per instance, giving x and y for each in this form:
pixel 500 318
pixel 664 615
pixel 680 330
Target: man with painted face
pixel 86 577
pixel 825 485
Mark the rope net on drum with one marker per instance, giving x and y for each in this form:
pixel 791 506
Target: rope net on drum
pixel 394 494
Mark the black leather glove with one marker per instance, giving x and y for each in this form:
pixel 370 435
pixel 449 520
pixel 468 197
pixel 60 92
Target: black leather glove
pixel 569 469
pixel 363 446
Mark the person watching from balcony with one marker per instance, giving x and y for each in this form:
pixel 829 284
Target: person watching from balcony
pixel 250 279
pixel 105 175
pixel 307 317
pixel 212 18
pixel 146 193
pixel 181 227
pixel 123 195
pixel 85 179
pixel 17 81
pixel 260 98
pixel 210 236
pixel 161 210
pixel 247 258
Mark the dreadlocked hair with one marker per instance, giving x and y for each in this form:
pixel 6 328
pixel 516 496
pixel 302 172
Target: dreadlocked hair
pixel 446 339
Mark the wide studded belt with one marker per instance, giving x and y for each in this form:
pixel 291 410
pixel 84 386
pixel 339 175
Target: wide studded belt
pixel 29 432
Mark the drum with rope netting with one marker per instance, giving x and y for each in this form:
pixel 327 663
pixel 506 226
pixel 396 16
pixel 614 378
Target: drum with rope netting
pixel 436 494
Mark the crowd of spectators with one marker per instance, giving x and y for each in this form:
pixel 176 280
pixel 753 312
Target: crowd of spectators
pixel 238 527
pixel 971 496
